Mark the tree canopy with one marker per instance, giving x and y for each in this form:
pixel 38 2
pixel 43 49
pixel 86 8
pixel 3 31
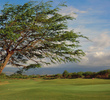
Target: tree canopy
pixel 36 31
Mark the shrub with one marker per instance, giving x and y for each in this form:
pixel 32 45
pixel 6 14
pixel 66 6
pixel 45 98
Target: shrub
pixel 74 75
pixel 2 75
pixel 58 76
pixel 65 74
pixel 88 74
pixel 18 76
pixel 70 75
pixel 109 76
pixel 80 74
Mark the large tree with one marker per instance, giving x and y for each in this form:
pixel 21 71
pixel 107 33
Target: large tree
pixel 36 31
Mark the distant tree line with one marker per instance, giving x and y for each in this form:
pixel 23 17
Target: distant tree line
pixel 104 74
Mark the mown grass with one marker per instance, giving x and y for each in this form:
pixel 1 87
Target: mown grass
pixel 57 89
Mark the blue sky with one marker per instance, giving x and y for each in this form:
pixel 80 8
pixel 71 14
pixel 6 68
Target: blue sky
pixel 92 20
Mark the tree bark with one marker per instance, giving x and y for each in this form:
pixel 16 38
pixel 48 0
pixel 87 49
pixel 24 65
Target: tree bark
pixel 6 61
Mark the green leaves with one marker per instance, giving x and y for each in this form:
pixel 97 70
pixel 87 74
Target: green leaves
pixel 32 66
pixel 38 32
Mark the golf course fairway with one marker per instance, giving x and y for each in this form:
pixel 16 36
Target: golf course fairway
pixel 56 89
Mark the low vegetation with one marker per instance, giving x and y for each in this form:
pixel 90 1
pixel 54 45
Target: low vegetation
pixel 104 74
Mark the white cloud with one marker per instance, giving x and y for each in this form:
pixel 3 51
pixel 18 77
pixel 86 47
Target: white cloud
pixel 71 11
pixel 97 54
pixel 101 42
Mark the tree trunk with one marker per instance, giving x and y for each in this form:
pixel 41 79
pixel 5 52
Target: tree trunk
pixel 6 61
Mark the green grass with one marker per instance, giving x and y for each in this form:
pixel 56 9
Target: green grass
pixel 58 89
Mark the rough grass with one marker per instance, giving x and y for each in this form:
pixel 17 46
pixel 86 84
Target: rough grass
pixel 3 83
pixel 58 89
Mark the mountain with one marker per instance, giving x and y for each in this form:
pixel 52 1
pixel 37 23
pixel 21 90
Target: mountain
pixel 56 70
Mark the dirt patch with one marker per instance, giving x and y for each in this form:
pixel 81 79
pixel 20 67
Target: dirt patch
pixel 3 83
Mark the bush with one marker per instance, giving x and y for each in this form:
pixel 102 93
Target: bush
pixel 80 74
pixel 88 74
pixel 19 76
pixel 70 75
pixel 34 76
pixel 65 74
pixel 2 75
pixel 109 76
pixel 58 76
pixel 74 75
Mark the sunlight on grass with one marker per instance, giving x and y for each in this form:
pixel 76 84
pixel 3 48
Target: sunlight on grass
pixel 57 89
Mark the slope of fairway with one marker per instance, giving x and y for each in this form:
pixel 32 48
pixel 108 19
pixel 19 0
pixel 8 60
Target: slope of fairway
pixel 58 89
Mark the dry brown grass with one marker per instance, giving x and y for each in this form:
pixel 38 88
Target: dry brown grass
pixel 3 83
